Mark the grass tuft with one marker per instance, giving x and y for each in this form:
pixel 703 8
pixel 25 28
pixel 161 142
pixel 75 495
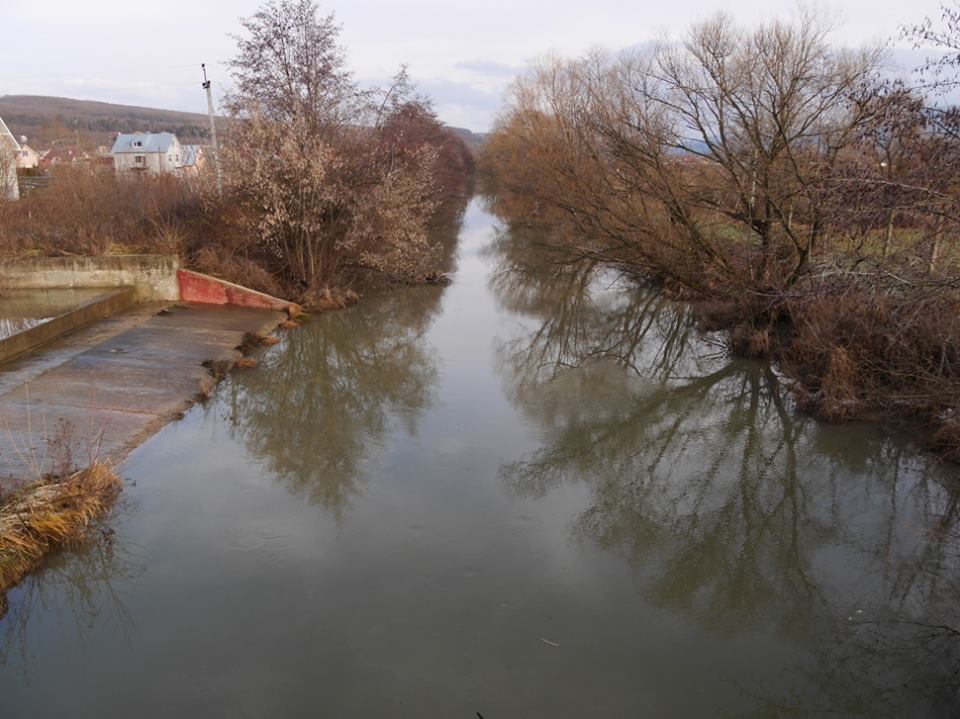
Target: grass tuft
pixel 50 514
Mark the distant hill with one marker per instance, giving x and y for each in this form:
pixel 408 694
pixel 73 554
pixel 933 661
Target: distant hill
pixel 51 121
pixel 473 140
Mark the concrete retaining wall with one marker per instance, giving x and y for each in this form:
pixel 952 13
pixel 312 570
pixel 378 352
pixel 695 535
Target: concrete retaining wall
pixel 197 287
pixel 104 305
pixel 153 276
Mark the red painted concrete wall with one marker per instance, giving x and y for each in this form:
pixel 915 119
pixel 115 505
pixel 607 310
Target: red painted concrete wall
pixel 197 287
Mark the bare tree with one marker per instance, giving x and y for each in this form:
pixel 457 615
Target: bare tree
pixel 327 185
pixel 707 158
pixel 807 207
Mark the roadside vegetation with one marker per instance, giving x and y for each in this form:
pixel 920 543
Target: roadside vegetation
pixel 803 202
pixel 326 184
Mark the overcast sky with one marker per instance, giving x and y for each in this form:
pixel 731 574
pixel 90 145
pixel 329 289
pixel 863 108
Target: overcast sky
pixel 461 54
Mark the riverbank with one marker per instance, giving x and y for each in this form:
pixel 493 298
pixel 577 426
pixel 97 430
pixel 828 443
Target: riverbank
pixel 418 497
pixel 50 514
pixel 73 410
pixel 817 228
pixel 868 345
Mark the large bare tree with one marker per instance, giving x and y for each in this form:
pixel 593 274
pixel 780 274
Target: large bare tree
pixel 316 158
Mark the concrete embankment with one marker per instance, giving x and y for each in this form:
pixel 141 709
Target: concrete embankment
pixel 108 303
pixel 154 277
pixel 114 380
pixel 118 381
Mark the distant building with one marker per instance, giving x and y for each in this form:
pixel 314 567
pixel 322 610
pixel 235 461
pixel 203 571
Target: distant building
pixel 61 156
pixel 9 151
pixel 155 153
pixel 193 159
pixel 28 158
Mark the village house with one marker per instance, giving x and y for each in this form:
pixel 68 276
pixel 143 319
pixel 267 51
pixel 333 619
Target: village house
pixel 193 159
pixel 155 153
pixel 9 151
pixel 61 156
pixel 28 158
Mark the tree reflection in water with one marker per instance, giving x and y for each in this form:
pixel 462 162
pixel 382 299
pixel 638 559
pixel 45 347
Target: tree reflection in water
pixel 325 399
pixel 78 587
pixel 736 511
pixel 329 396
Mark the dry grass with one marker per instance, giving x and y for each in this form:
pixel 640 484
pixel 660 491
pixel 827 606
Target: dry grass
pixel 877 352
pixel 839 387
pixel 89 212
pixel 748 341
pixel 228 264
pixel 207 385
pixel 49 514
pixel 329 298
pixel 4 286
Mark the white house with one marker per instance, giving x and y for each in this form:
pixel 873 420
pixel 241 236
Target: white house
pixel 27 158
pixel 151 152
pixel 9 150
pixel 194 159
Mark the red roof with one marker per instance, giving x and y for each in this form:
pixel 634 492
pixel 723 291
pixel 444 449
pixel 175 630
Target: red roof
pixel 61 155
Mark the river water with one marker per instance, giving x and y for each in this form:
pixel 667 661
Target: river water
pixel 23 309
pixel 534 493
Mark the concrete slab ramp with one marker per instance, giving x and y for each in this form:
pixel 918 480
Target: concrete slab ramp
pixel 122 385
pixel 97 308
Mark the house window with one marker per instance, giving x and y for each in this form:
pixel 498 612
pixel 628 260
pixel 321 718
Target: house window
pixel 139 159
pixel 138 143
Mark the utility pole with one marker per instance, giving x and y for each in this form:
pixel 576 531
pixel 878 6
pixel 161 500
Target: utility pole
pixel 213 129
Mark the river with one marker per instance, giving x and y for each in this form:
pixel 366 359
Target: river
pixel 537 492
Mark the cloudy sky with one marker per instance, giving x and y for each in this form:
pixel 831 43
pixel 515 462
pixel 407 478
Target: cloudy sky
pixel 462 54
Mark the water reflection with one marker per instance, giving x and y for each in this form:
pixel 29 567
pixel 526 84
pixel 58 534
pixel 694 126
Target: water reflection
pixel 79 588
pixel 735 511
pixel 325 400
pixel 709 551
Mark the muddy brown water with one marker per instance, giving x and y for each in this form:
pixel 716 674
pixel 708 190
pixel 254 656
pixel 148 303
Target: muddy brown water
pixel 534 493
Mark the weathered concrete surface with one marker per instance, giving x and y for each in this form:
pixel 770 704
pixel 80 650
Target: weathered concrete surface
pixel 122 379
pixel 103 305
pixel 153 276
pixel 197 287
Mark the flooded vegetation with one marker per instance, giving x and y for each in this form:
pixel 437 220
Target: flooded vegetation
pixel 536 492
pixel 788 187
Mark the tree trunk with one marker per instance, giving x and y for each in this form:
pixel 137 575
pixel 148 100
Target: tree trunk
pixel 888 236
pixel 935 249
